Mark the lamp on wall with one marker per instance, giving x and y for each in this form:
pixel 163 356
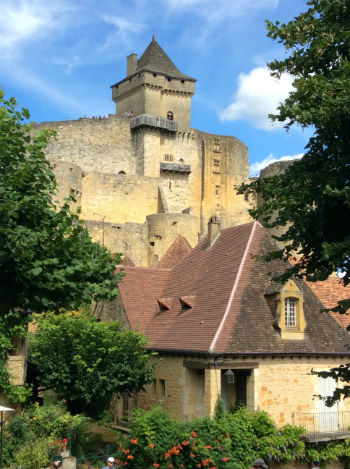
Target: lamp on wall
pixel 230 376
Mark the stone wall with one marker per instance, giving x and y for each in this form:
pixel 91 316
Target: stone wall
pixel 102 145
pixel 279 386
pixel 116 177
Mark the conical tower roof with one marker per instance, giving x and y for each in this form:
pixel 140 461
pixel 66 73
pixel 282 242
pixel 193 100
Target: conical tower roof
pixel 155 60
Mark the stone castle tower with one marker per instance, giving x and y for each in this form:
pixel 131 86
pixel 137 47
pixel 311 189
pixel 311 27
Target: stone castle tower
pixel 155 87
pixel 143 176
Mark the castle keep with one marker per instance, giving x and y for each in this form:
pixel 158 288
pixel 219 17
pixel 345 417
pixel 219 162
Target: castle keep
pixel 143 176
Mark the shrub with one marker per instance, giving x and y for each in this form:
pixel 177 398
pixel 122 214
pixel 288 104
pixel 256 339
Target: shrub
pixel 33 454
pixel 228 440
pixel 49 423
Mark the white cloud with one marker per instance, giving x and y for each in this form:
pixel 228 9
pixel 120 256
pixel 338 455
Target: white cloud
pixel 258 95
pixel 124 29
pixel 255 168
pixel 23 21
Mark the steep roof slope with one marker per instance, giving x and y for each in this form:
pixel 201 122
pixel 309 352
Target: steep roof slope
pixel 154 59
pixel 331 291
pixel 214 301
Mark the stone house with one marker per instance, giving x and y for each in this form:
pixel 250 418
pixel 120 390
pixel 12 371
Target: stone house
pixel 222 329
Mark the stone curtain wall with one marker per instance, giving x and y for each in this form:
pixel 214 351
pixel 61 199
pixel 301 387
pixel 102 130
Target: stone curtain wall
pixel 88 155
pixel 102 145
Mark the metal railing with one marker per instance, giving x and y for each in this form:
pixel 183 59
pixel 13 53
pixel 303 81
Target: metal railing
pixel 323 424
pixel 147 120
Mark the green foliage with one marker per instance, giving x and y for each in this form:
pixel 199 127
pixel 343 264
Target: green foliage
pixel 12 326
pixel 33 455
pixel 85 361
pixel 311 199
pixel 228 440
pixel 47 259
pixel 328 452
pixel 46 424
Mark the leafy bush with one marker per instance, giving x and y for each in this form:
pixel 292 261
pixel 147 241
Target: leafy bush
pixel 33 454
pixel 328 451
pixel 227 440
pixel 47 423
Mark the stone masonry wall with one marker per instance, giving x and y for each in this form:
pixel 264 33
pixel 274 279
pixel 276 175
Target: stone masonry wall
pixel 279 386
pixel 115 175
pixel 102 145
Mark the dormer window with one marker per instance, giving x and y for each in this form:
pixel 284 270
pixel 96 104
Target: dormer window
pixel 290 312
pixel 170 115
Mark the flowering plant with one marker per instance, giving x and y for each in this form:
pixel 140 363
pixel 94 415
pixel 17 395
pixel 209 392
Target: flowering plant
pixel 58 445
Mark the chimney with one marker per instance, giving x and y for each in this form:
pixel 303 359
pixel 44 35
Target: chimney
pixel 213 229
pixel 131 64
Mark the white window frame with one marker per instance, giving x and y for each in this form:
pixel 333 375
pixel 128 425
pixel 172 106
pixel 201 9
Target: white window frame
pixel 290 311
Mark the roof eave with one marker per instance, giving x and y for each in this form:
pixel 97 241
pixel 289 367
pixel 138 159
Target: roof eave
pixel 166 75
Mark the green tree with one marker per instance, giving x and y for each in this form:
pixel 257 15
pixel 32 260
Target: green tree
pixel 47 259
pixel 85 361
pixel 311 198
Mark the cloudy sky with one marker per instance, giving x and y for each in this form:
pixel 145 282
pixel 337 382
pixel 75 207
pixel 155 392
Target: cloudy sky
pixel 59 58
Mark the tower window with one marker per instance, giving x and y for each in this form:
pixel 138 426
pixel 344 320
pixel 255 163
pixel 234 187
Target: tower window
pixel 217 191
pixel 216 144
pixel 170 115
pixel 216 165
pixel 168 158
pixel 290 312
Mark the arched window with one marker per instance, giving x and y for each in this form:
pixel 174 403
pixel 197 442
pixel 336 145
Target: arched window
pixel 122 172
pixel 290 305
pixel 170 115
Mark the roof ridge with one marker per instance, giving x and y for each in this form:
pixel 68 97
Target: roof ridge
pixel 236 282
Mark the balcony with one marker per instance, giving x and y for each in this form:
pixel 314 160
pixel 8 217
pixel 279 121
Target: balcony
pixel 324 426
pixel 175 167
pixel 146 120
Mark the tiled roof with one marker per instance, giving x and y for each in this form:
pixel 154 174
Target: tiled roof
pixel 228 310
pixel 330 291
pixel 154 59
pixel 177 251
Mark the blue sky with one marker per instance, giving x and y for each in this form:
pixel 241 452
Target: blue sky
pixel 59 58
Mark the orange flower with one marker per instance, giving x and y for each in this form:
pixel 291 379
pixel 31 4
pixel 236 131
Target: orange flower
pixel 205 462
pixel 155 464
pixel 134 441
pixel 185 443
pixel 171 465
pixel 194 434
pixel 151 445
pixel 192 455
pixel 225 459
pixel 181 465
pixel 179 446
pixel 199 465
pixel 213 467
pixel 130 456
pixel 65 440
pixel 167 454
pixel 208 447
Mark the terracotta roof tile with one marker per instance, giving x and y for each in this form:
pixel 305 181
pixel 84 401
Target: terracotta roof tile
pixel 231 312
pixel 330 291
pixel 176 252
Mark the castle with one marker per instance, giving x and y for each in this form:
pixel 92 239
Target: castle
pixel 143 176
